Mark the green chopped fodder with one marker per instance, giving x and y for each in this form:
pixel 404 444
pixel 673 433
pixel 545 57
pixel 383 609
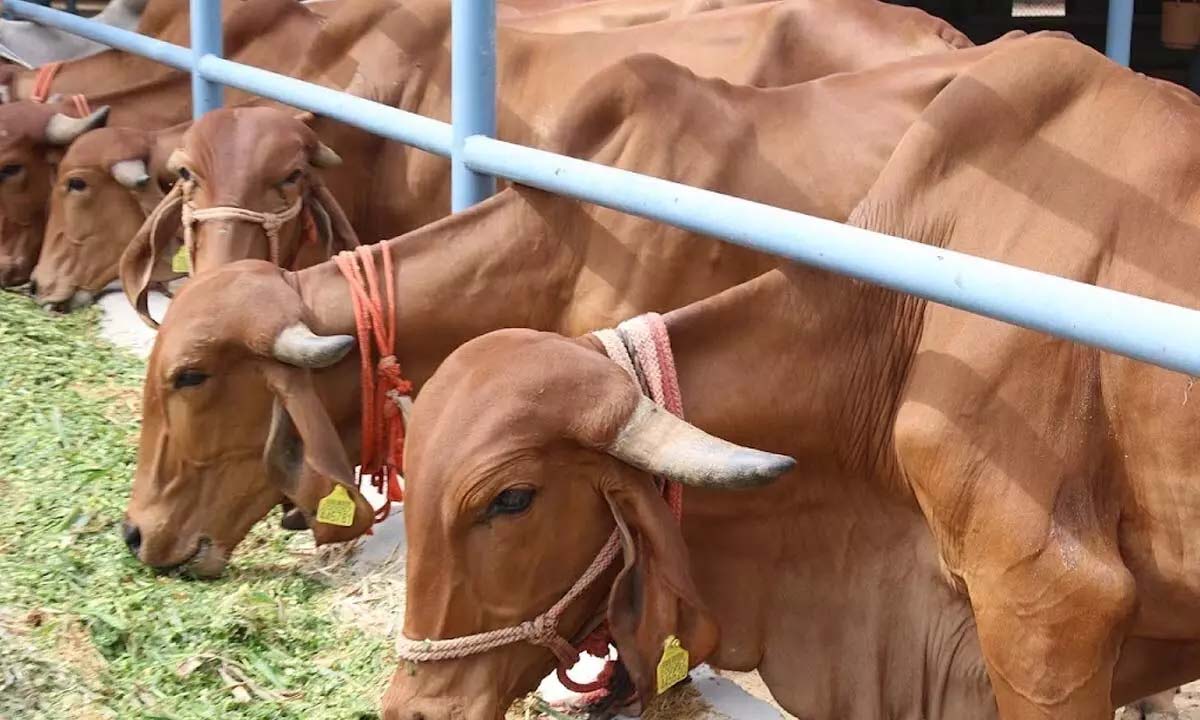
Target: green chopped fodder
pixel 85 630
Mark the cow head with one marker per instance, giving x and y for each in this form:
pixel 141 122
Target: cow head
pixel 231 373
pixel 108 182
pixel 253 158
pixel 32 138
pixel 525 450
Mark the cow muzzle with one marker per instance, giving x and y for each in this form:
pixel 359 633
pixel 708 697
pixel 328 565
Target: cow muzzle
pixel 13 273
pixel 205 560
pixel 425 710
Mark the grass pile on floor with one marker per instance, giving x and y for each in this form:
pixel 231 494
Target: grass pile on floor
pixel 85 631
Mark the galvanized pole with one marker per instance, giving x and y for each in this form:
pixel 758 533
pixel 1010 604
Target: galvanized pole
pixel 206 40
pixel 472 95
pixel 1120 31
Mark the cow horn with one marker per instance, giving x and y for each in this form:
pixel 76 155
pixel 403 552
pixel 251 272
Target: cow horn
pixel 298 345
pixel 131 173
pixel 176 161
pixel 325 157
pixel 656 441
pixel 64 129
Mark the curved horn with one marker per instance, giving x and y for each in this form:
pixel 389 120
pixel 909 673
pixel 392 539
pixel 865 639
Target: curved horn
pixel 176 160
pixel 131 173
pixel 656 441
pixel 298 345
pixel 324 157
pixel 64 129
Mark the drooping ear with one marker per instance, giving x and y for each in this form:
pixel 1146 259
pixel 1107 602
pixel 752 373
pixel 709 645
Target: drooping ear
pixel 304 456
pixel 342 235
pixel 654 596
pixel 148 254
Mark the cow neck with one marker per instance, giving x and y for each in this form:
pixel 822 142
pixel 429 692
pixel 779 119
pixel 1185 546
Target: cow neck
pixel 494 266
pixel 805 363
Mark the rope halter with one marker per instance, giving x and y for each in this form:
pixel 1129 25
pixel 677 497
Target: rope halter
pixel 190 216
pixel 541 631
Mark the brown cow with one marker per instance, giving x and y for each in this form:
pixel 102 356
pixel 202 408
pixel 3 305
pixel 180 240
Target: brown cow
pixel 71 272
pixel 31 139
pixel 108 182
pixel 969 495
pixel 254 33
pixel 522 258
pixel 245 23
pixel 610 14
pixel 404 60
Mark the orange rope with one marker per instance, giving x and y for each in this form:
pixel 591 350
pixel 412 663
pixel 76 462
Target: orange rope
pixel 382 382
pixel 42 80
pixel 41 89
pixel 81 105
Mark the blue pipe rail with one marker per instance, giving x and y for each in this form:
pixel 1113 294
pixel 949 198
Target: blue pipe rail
pixel 206 41
pixel 472 94
pixel 1155 332
pixel 1119 31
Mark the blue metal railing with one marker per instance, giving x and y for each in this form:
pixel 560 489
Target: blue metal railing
pixel 1159 333
pixel 472 94
pixel 206 40
pixel 1119 32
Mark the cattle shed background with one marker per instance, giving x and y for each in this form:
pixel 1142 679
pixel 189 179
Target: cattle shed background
pixel 984 20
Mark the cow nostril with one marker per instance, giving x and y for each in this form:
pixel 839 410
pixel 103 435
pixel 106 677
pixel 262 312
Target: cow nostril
pixel 33 288
pixel 133 537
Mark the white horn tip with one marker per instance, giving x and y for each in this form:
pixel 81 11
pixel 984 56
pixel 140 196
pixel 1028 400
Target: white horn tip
pixel 658 442
pixel 298 345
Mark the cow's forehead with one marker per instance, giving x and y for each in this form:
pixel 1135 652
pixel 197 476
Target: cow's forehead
pixel 101 148
pixel 506 394
pixel 22 124
pixel 225 306
pixel 247 140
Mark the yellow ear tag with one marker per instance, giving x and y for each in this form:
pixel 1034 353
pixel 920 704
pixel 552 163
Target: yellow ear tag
pixel 336 508
pixel 180 262
pixel 673 667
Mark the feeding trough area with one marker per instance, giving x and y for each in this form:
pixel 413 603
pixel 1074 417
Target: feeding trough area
pixel 424 359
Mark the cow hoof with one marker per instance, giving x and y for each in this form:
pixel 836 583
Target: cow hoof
pixel 293 520
pixel 1160 706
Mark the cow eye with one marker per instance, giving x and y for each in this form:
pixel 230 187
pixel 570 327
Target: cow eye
pixel 188 378
pixel 293 178
pixel 77 184
pixel 512 501
pixel 9 170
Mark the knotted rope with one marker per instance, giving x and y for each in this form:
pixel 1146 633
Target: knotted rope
pixel 41 89
pixel 642 347
pixel 384 388
pixel 190 216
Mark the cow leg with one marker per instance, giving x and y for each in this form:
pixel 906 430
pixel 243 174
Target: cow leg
pixel 1051 633
pixel 1032 538
pixel 1160 706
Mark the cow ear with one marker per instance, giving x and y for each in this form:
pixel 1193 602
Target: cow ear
pixel 654 597
pixel 304 456
pixel 337 232
pixel 147 256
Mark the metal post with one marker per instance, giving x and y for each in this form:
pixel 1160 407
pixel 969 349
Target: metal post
pixel 206 40
pixel 472 95
pixel 1120 31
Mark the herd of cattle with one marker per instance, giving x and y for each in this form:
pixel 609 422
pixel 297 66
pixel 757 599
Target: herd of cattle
pixel 980 521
